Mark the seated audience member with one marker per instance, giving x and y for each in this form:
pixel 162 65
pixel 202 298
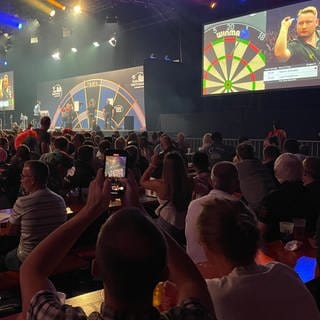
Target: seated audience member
pixel 181 143
pixel 103 146
pixel 120 143
pixel 291 200
pixel 206 142
pixel 166 146
pixel 60 144
pixel 255 180
pixel 84 171
pixel 12 175
pixel 131 258
pixel 218 151
pixel 292 146
pixel 225 184
pixel 202 180
pixel 174 191
pixel 4 146
pixel 270 154
pixel 77 141
pixel 35 215
pixel 311 178
pixel 242 289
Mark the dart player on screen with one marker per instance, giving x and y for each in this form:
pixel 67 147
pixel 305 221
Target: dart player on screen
pixel 306 47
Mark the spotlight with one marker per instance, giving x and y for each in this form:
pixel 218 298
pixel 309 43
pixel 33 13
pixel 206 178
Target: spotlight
pixel 11 21
pixel 213 4
pixel 34 40
pixel 77 9
pixel 167 58
pixel 36 23
pixel 5 62
pixel 56 56
pixel 153 56
pixel 96 44
pixel 74 50
pixel 52 13
pixel 112 41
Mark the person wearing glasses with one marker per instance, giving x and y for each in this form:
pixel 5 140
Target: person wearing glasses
pixel 34 215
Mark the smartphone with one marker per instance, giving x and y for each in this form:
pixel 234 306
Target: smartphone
pixel 115 164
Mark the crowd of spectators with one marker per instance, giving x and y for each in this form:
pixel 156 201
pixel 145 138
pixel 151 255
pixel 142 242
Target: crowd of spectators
pixel 216 203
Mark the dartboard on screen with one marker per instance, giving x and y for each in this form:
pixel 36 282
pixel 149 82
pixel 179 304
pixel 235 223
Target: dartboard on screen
pixel 234 55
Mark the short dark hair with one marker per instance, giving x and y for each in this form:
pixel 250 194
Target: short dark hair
pixel 245 151
pixel 217 136
pixel 61 143
pixel 229 227
pixel 131 255
pixel 85 153
pixel 271 152
pixel 201 161
pixel 45 122
pixel 225 176
pixel 39 170
pixel 291 146
pixel 311 165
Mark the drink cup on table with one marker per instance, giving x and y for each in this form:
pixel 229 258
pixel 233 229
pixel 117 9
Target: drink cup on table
pixel 299 229
pixel 286 230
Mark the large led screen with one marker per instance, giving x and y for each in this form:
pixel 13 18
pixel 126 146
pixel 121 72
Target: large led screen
pixel 114 100
pixel 274 49
pixel 6 91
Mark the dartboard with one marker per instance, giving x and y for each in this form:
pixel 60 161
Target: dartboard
pixel 233 58
pixel 98 92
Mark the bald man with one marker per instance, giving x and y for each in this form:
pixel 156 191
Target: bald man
pixel 225 182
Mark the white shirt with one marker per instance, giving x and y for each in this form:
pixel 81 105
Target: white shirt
pixel 194 249
pixel 270 292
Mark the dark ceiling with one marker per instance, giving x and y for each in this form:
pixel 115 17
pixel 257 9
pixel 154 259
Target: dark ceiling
pixel 128 11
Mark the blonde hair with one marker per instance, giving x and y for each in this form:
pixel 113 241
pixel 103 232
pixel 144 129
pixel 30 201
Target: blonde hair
pixel 309 9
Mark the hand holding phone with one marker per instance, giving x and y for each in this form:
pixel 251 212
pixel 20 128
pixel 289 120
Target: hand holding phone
pixel 115 168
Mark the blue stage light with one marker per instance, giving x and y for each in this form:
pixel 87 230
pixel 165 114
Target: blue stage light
pixel 11 21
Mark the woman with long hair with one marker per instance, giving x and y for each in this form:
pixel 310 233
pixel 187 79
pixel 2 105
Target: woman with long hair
pixel 174 190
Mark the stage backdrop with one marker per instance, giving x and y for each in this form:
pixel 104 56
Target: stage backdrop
pixel 72 101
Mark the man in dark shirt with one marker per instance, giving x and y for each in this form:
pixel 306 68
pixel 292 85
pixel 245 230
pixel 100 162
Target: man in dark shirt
pixel 304 49
pixel 108 112
pixel 91 110
pixel 43 135
pixel 291 200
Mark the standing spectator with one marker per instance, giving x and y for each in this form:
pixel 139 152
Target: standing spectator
pixel 278 132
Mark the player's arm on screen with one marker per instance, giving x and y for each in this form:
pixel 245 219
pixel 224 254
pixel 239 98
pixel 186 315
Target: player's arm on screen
pixel 281 51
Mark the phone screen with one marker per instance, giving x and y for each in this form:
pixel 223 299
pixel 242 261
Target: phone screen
pixel 115 166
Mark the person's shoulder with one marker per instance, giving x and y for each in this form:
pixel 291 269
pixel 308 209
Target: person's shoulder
pixel 45 304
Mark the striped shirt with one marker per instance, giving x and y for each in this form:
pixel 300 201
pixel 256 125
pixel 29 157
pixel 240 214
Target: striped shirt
pixel 37 214
pixel 46 305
